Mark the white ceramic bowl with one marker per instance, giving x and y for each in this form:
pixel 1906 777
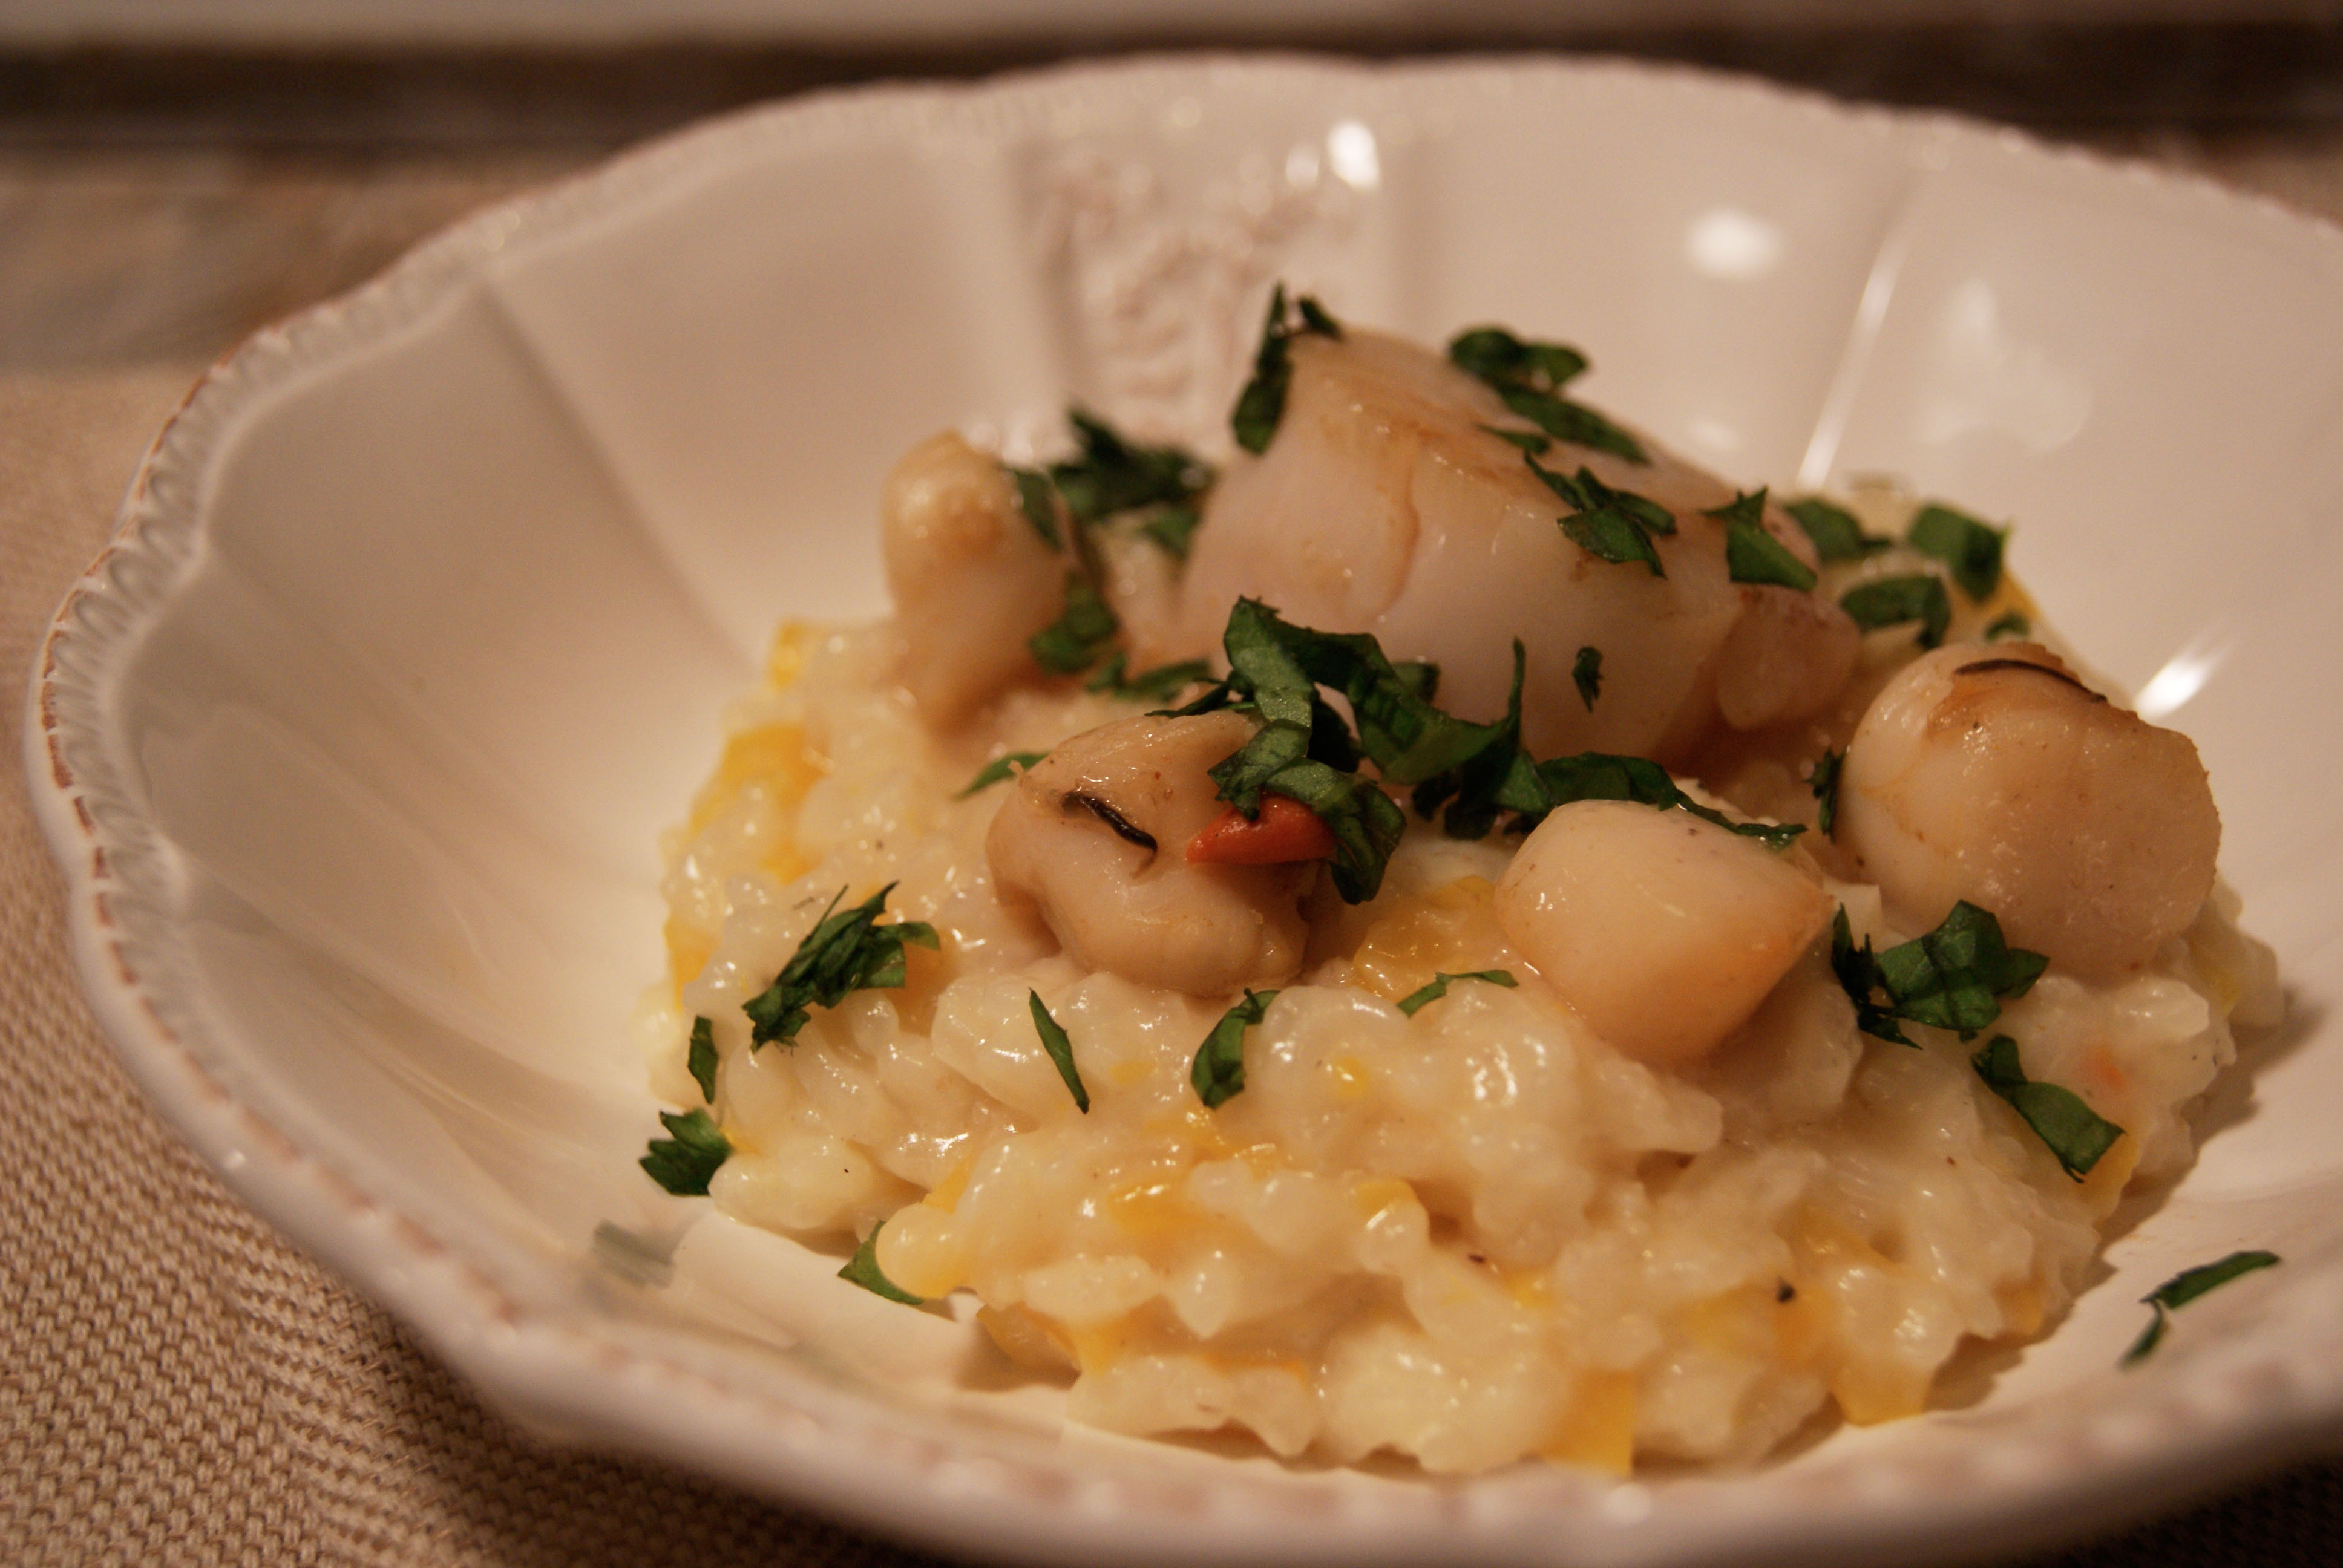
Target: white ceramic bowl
pixel 356 741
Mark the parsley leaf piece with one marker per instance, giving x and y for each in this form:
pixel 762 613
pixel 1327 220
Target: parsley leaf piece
pixel 1111 473
pixel 2186 1287
pixel 1536 443
pixel 862 1269
pixel 845 952
pixel 702 1058
pixel 1891 601
pixel 1476 786
pixel 1529 375
pixel 1824 784
pixel 2149 1337
pixel 1073 643
pixel 1536 791
pixel 1586 673
pixel 2075 1133
pixel 1039 501
pixel 1585 493
pixel 1970 548
pixel 1410 742
pixel 1219 1072
pixel 1261 403
pixel 1494 354
pixel 683 1161
pixel 1612 537
pixel 1280 665
pixel 1857 970
pixel 1367 823
pixel 2011 623
pixel 1957 975
pixel 1158 684
pixel 1060 1047
pixel 1572 422
pixel 1747 507
pixel 2190 1284
pixel 1754 555
pixel 998 769
pixel 1416 1001
pixel 1600 776
pixel 1836 533
pixel 1612 524
pixel 1173 530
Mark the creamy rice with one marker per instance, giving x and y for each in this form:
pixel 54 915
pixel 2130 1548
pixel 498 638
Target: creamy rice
pixel 1468 1236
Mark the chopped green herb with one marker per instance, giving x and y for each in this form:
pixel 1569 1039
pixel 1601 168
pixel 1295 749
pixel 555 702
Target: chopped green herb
pixel 1278 665
pixel 1495 356
pixel 862 1269
pixel 1416 1001
pixel 1112 474
pixel 845 952
pixel 1572 422
pixel 2075 1133
pixel 1747 507
pixel 1218 1069
pixel 1611 536
pixel 1073 643
pixel 702 1058
pixel 1473 787
pixel 1586 673
pixel 1857 970
pixel 1824 782
pixel 1039 501
pixel 1971 549
pixel 1261 403
pixel 1536 443
pixel 1750 554
pixel 1304 749
pixel 2008 624
pixel 1599 776
pixel 1956 977
pixel 998 769
pixel 2186 1287
pixel 1837 535
pixel 683 1162
pixel 2190 1284
pixel 1754 555
pixel 1529 376
pixel 1061 1047
pixel 1367 823
pixel 1173 529
pixel 1613 525
pixel 1891 601
pixel 1163 681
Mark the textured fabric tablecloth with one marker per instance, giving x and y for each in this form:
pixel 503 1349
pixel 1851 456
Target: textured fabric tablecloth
pixel 177 1384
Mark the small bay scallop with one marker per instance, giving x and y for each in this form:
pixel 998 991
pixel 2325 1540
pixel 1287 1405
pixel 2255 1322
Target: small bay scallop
pixel 971 579
pixel 1993 774
pixel 1096 836
pixel 1664 931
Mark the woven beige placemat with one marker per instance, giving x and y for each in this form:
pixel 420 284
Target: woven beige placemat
pixel 178 1385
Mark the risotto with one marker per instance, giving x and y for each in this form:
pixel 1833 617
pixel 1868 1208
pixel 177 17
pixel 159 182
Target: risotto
pixel 1454 933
